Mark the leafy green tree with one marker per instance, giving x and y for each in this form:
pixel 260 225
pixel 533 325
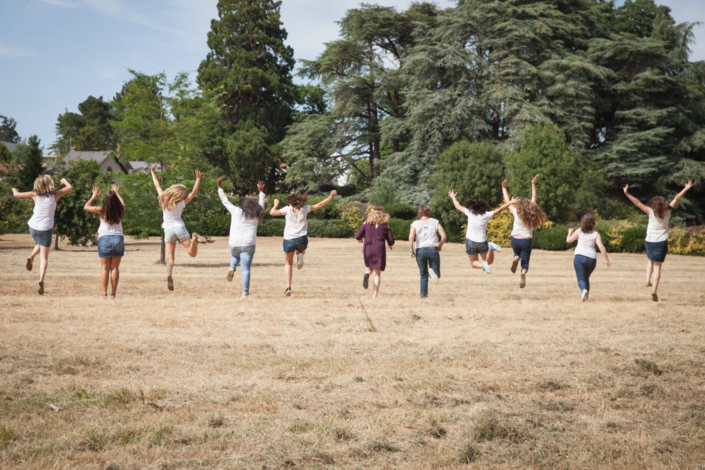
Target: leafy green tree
pixel 543 150
pixel 89 129
pixel 5 155
pixel 473 169
pixel 7 130
pixel 30 157
pixel 249 68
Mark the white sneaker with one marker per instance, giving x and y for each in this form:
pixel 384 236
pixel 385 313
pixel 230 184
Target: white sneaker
pixel 299 261
pixel 486 267
pixel 494 247
pixel 434 277
pixel 585 296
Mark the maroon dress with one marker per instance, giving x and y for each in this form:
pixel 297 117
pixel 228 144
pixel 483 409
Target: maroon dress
pixel 373 250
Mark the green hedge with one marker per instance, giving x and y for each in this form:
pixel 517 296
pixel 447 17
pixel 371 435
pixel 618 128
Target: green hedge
pixel 400 228
pixel 316 228
pixel 551 238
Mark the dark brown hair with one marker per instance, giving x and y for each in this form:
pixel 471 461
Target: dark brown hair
pixel 587 224
pixel 660 206
pixel 112 211
pixel 423 211
pixel 251 208
pixel 297 200
pixel 478 207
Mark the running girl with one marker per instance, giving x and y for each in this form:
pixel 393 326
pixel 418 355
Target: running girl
pixel 243 233
pixel 479 214
pixel 585 259
pixel 657 234
pixel 428 247
pixel 41 225
pixel 172 201
pixel 374 232
pixel 527 216
pixel 296 230
pixel 111 243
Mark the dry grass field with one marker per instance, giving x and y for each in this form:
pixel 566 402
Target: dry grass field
pixel 482 375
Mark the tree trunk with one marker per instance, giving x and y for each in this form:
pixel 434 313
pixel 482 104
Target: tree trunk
pixel 56 242
pixel 162 259
pixel 395 145
pixel 495 124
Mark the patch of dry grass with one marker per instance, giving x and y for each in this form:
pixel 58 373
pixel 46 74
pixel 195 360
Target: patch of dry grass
pixel 481 375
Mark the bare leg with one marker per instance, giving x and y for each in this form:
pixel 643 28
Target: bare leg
pixel 475 263
pixel 115 273
pixel 43 261
pixel 489 257
pixel 35 252
pixel 170 252
pixel 104 274
pixel 377 280
pixel 649 270
pixel 656 277
pixel 191 245
pixel 288 265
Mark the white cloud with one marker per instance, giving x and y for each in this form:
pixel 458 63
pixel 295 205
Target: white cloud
pixel 117 9
pixel 61 3
pixel 15 51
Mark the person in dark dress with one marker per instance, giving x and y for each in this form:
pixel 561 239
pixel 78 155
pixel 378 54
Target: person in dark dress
pixel 374 232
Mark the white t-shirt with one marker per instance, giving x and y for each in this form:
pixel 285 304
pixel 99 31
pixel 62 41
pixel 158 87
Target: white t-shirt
pixel 426 233
pixel 477 226
pixel 43 216
pixel 657 230
pixel 172 218
pixel 519 230
pixel 243 231
pixel 296 222
pixel 107 229
pixel 586 244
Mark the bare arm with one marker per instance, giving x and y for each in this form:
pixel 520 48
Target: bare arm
pixel 324 202
pixel 276 212
pixel 190 197
pixel 454 196
pixel 443 237
pixel 412 236
pixel 505 207
pixel 678 197
pixel 260 188
pixel 63 191
pixel 505 193
pixel 572 235
pixel 533 189
pixel 223 198
pixel 89 207
pixel 116 189
pixel 598 241
pixel 155 180
pixel 635 201
pixel 27 195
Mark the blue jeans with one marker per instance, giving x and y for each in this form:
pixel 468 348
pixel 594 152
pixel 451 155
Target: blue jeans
pixel 584 266
pixel 243 255
pixel 425 258
pixel 522 248
pixel 296 244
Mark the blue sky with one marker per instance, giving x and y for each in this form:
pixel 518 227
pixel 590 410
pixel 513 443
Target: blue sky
pixel 55 53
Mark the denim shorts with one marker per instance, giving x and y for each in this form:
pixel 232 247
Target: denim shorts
pixel 111 246
pixel 656 251
pixel 476 248
pixel 173 235
pixel 42 237
pixel 296 244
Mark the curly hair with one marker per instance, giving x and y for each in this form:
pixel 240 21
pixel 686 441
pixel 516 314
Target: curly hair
pixel 478 207
pixel 423 211
pixel 377 216
pixel 660 206
pixel 172 196
pixel 530 213
pixel 587 224
pixel 297 200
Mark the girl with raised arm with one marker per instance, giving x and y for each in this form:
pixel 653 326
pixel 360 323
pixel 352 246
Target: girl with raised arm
pixel 41 225
pixel 476 243
pixel 243 233
pixel 172 201
pixel 585 259
pixel 428 247
pixel 527 217
pixel 374 232
pixel 111 243
pixel 296 230
pixel 657 234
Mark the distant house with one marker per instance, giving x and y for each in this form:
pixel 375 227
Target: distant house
pixel 106 160
pixel 10 146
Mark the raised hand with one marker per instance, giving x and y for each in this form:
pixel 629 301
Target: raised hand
pixel 688 185
pixel 276 202
pixel 260 186
pixel 220 182
pixel 64 182
pixel 514 201
pixel 626 189
pixel 95 191
pixel 453 194
pixel 154 167
pixel 15 191
pixel 333 193
pixel 199 173
pixel 536 178
pixel 115 188
pixel 504 184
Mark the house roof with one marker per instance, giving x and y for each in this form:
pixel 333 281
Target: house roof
pixel 99 157
pixel 10 146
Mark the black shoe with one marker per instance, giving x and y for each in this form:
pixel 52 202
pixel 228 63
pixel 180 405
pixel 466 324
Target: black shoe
pixel 366 280
pixel 287 292
pixel 515 263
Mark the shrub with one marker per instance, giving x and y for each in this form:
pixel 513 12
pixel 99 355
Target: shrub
pixel 353 213
pixel 271 228
pixel 329 229
pixel 499 229
pixel 400 228
pixel 329 212
pixel 685 242
pixel 399 210
pixel 551 239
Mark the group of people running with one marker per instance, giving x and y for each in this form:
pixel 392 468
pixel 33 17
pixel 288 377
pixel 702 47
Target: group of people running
pixel 426 236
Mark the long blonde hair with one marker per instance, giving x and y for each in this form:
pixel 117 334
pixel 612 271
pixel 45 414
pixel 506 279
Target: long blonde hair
pixel 44 185
pixel 377 216
pixel 530 213
pixel 172 196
